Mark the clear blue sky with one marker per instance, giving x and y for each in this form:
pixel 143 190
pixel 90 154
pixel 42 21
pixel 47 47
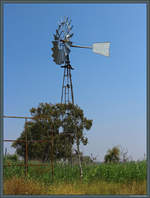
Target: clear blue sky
pixel 110 90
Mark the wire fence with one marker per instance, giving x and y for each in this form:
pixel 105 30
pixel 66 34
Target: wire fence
pixel 27 142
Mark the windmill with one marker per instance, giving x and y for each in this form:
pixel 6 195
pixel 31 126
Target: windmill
pixel 61 50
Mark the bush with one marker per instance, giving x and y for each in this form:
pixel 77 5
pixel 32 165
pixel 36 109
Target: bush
pixel 13 157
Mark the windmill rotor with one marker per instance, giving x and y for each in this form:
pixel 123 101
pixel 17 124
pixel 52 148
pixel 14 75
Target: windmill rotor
pixel 61 43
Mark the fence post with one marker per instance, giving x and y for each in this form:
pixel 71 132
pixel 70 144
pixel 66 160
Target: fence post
pixel 26 150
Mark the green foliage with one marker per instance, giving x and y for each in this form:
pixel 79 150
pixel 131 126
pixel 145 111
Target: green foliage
pixel 117 172
pixel 13 157
pixel 112 172
pixel 48 119
pixel 113 155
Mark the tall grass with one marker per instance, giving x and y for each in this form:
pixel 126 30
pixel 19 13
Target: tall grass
pixel 119 173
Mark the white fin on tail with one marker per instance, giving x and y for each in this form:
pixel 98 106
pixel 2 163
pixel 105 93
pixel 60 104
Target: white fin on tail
pixel 101 48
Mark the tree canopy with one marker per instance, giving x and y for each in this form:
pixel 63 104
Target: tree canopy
pixel 47 121
pixel 113 155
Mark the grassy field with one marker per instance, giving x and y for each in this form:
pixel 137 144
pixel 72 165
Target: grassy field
pixel 119 178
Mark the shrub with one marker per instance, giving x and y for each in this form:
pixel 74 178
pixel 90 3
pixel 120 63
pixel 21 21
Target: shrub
pixel 13 157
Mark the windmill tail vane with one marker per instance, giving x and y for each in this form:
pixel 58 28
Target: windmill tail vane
pixel 99 48
pixel 61 50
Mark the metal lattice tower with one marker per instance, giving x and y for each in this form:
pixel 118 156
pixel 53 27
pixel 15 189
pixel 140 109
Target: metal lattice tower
pixel 67 88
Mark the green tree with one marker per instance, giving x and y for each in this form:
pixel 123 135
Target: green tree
pixel 45 125
pixel 113 155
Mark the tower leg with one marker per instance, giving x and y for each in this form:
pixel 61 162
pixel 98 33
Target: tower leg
pixel 67 88
pixel 63 87
pixel 71 87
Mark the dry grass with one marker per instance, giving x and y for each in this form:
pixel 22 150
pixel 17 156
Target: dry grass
pixel 21 186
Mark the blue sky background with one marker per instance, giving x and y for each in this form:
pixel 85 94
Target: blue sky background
pixel 110 90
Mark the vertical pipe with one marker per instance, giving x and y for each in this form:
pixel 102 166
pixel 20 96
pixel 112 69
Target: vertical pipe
pixel 68 86
pixel 5 152
pixel 26 150
pixel 52 153
pixel 65 94
pixel 79 159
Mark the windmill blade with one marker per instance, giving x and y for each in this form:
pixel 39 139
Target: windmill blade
pixel 101 48
pixel 69 22
pixel 67 19
pixel 70 27
pixel 61 57
pixel 55 37
pixel 70 35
